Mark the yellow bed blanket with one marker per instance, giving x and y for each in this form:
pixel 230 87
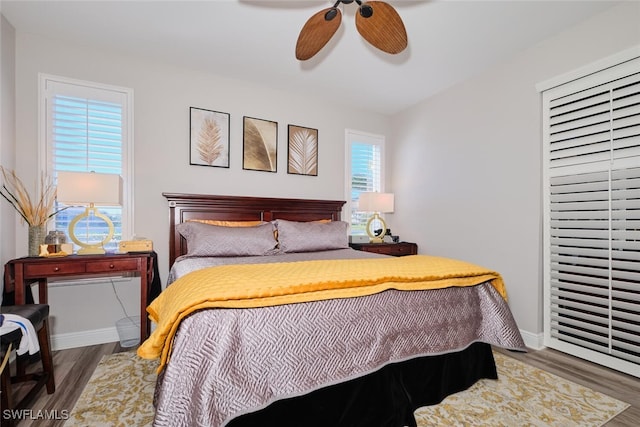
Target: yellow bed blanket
pixel 262 285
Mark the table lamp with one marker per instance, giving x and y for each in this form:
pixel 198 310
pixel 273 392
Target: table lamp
pixel 89 189
pixel 376 203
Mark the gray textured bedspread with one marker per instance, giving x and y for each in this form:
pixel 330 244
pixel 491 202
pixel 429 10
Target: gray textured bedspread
pixel 227 362
pixel 184 264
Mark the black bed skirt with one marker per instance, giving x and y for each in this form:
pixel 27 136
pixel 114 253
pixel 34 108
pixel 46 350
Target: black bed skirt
pixel 385 398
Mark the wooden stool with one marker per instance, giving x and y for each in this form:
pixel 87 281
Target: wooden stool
pixel 38 315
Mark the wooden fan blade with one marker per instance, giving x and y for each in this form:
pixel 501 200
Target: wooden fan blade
pixel 384 29
pixel 316 33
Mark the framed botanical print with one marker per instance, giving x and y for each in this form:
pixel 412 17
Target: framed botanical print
pixel 260 145
pixel 209 138
pixel 302 158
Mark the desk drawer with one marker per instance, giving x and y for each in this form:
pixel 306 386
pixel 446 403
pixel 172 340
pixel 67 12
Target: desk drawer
pixel 376 249
pixel 112 265
pixel 49 269
pixel 400 249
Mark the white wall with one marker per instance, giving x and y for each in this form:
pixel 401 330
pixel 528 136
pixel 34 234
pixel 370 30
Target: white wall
pixel 466 163
pixel 162 97
pixel 7 134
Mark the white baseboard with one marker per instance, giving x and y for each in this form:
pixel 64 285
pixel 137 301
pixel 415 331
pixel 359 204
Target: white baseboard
pixel 84 338
pixel 532 340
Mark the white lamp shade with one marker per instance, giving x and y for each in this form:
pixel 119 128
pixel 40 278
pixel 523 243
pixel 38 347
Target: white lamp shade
pixel 84 188
pixel 376 202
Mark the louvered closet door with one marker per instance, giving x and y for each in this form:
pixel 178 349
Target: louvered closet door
pixel 592 217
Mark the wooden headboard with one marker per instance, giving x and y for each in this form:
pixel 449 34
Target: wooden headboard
pixel 184 207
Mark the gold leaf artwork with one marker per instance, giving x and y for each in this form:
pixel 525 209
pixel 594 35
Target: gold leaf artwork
pixel 259 145
pixel 303 152
pixel 209 144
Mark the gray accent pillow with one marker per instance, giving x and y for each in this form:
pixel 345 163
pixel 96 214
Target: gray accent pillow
pixel 296 236
pixel 214 240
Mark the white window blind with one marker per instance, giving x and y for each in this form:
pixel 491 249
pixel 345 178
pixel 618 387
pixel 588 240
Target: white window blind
pixel 592 217
pixel 365 154
pixel 88 130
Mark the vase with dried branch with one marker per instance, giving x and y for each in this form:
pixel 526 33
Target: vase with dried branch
pixel 34 211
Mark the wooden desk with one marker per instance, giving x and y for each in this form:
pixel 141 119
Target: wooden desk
pixel 22 271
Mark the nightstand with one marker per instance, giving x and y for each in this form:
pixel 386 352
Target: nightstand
pixel 393 249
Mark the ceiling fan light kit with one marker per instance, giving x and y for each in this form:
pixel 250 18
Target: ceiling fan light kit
pixel 376 21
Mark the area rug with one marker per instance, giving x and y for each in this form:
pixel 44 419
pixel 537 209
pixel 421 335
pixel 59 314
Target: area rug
pixel 120 393
pixel 522 396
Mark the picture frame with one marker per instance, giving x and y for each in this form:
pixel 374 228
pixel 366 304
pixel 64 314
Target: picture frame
pixel 260 144
pixel 302 150
pixel 208 138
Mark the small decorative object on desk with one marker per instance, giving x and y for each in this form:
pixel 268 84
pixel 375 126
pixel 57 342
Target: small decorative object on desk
pixel 35 212
pixel 55 238
pixel 135 245
pixel 55 244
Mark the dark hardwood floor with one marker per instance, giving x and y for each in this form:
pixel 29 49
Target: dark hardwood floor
pixel 74 367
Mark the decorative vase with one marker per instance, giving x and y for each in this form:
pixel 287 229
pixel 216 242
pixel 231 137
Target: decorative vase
pixel 36 238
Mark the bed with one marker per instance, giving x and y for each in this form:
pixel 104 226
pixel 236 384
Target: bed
pixel 354 351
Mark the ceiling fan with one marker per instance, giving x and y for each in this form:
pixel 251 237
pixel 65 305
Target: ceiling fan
pixel 376 21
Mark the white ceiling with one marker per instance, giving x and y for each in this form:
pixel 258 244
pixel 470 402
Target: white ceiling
pixel 449 41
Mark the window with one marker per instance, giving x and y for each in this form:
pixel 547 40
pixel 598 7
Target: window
pixel 88 128
pixel 365 172
pixel 592 216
